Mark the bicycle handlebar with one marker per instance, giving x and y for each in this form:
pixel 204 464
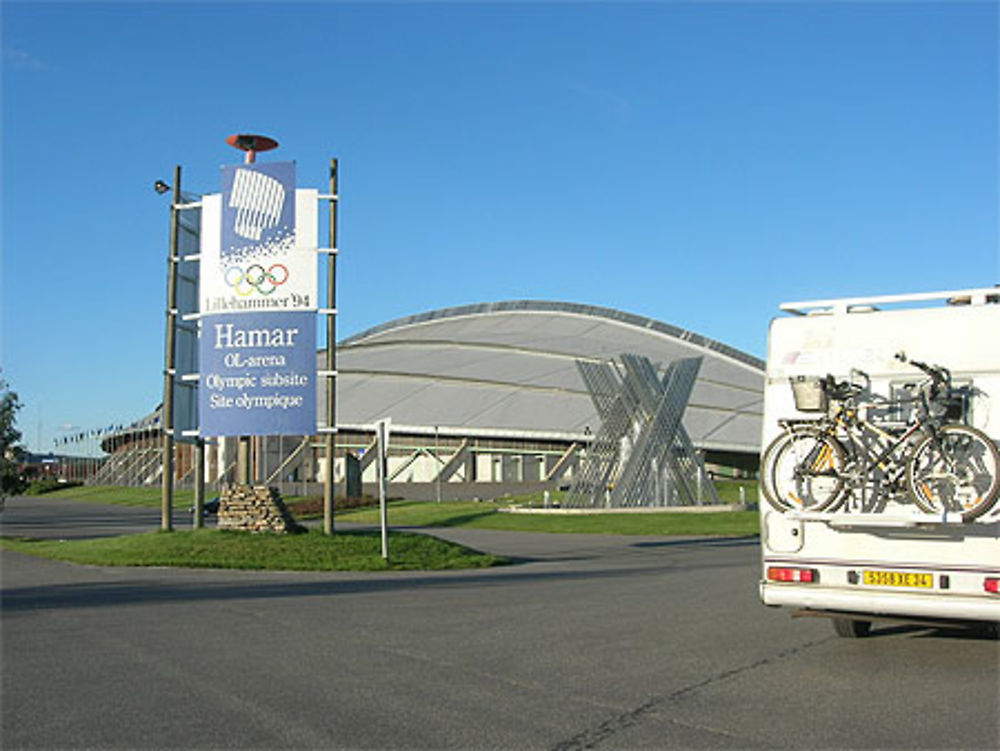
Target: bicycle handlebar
pixel 939 384
pixel 937 373
pixel 940 376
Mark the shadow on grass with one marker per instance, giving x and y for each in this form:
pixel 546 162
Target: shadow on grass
pixel 462 519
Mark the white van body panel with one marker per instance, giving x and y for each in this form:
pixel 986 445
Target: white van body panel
pixel 834 337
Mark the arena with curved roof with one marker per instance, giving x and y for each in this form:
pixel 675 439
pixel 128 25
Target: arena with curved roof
pixel 492 393
pixel 509 369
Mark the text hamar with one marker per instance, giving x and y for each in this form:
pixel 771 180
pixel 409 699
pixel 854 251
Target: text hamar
pixel 227 336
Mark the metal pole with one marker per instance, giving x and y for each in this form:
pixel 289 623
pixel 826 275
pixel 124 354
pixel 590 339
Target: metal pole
pixel 245 453
pixel 167 418
pixel 437 460
pixel 331 358
pixel 381 432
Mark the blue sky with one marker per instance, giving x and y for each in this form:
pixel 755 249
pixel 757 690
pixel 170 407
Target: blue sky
pixel 697 163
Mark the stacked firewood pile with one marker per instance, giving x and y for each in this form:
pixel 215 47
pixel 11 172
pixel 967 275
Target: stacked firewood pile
pixel 255 508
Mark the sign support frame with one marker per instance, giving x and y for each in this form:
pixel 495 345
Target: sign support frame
pixel 330 438
pixel 244 446
pixel 170 363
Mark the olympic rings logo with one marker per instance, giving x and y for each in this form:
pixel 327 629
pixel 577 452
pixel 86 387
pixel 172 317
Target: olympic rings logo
pixel 256 278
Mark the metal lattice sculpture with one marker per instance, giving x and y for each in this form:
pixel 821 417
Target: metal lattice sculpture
pixel 641 455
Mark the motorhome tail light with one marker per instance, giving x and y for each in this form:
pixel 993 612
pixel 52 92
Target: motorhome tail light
pixel 790 574
pixel 991 584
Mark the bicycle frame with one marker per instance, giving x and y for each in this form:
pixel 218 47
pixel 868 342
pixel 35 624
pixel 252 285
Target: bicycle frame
pixel 858 434
pixel 876 457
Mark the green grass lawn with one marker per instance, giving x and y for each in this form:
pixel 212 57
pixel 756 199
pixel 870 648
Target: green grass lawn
pixel 144 497
pixel 147 496
pixel 486 515
pixel 729 491
pixel 312 551
pixel 357 550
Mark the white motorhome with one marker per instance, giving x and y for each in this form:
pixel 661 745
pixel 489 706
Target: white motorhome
pixel 860 563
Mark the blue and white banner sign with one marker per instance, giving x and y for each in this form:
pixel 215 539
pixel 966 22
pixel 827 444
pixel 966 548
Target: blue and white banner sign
pixel 258 210
pixel 258 374
pixel 258 291
pixel 259 245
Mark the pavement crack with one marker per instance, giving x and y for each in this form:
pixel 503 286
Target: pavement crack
pixel 612 726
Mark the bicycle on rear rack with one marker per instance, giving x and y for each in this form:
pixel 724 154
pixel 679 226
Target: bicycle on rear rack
pixel 940 464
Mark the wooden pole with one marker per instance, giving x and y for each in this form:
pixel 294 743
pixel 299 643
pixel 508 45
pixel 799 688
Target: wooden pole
pixel 330 439
pixel 170 363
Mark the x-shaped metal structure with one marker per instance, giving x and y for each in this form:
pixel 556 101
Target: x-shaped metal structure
pixel 641 455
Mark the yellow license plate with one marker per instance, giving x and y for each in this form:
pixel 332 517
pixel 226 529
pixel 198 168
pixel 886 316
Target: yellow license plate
pixel 898 579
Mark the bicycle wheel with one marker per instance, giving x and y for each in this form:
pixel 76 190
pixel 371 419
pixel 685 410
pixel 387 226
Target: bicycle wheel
pixel 957 471
pixel 803 471
pixel 767 472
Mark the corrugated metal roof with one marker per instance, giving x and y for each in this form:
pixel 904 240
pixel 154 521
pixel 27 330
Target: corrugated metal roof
pixel 510 368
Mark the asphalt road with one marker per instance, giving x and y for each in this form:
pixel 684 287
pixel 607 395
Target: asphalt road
pixel 600 642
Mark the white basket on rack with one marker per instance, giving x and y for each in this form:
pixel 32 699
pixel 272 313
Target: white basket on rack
pixel 810 396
